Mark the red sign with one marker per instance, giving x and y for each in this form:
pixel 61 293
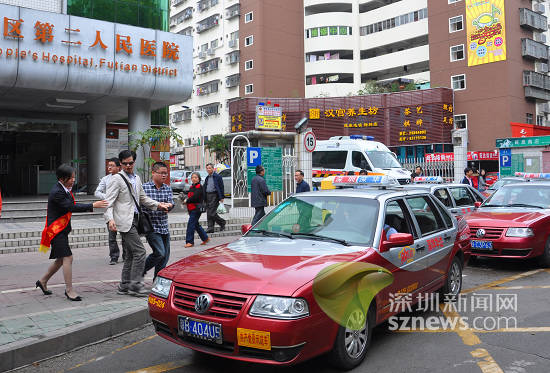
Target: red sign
pixel 472 156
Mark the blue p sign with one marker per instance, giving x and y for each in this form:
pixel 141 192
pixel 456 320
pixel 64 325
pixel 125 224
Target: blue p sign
pixel 253 157
pixel 506 157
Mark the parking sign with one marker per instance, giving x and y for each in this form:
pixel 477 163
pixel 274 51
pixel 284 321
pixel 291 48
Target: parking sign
pixel 253 157
pixel 505 157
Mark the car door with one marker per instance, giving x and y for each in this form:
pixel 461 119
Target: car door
pixel 442 194
pixel 407 262
pixel 463 200
pixel 434 236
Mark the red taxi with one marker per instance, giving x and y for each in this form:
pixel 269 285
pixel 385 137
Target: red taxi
pixel 314 276
pixel 514 222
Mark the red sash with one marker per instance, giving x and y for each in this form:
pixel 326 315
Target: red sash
pixel 52 230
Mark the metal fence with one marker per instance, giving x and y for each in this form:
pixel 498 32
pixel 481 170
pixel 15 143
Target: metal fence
pixel 444 169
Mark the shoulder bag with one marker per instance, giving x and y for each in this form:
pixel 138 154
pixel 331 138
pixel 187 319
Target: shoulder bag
pixel 144 225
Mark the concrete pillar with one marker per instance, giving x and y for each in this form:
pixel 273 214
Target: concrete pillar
pixel 460 142
pixel 97 125
pixel 139 120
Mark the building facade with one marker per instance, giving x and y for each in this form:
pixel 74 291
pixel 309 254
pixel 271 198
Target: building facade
pixel 64 75
pixel 240 48
pixel 348 43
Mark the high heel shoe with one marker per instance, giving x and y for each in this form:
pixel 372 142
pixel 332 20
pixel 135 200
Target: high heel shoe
pixel 75 299
pixel 39 285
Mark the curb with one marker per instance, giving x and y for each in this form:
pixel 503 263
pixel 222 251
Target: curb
pixel 19 354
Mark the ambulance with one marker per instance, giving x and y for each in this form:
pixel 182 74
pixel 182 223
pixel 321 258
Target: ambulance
pixel 341 154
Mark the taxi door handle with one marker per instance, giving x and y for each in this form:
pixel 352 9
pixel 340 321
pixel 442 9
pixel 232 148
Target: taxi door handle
pixel 447 237
pixel 420 247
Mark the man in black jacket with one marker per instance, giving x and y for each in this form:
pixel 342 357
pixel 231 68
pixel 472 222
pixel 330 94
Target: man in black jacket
pixel 213 185
pixel 259 193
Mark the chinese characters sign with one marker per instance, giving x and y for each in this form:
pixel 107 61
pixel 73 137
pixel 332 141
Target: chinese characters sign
pixel 525 141
pixel 268 117
pixel 485 31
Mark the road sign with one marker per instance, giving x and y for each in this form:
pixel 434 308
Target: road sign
pixel 253 157
pixel 272 161
pixel 505 157
pixel 310 141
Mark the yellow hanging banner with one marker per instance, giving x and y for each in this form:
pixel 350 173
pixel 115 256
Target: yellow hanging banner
pixel 485 31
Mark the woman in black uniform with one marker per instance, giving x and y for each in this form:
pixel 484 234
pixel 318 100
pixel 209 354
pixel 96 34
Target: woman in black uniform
pixel 61 205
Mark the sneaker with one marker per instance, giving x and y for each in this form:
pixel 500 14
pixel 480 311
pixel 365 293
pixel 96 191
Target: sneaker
pixel 122 291
pixel 222 227
pixel 210 230
pixel 143 292
pixel 113 262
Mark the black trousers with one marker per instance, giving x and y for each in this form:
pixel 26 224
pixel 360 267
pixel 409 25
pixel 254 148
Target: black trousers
pixel 212 202
pixel 260 213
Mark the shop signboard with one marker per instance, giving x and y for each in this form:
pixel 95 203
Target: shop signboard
pixel 523 142
pixel 269 117
pixel 485 31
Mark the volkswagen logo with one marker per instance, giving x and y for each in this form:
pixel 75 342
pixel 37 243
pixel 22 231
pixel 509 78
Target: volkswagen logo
pixel 203 303
pixel 480 233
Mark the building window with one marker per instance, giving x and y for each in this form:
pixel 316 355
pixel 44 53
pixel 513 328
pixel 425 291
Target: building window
pixel 457 52
pixel 249 40
pixel 540 120
pixel 249 65
pixel 454 1
pixel 248 17
pixel 528 118
pixel 461 121
pixel 248 89
pixel 458 82
pixel 456 24
pixel 389 23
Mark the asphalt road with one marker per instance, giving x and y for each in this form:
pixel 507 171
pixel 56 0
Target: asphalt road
pixel 489 348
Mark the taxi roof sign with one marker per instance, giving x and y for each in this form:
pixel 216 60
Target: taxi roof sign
pixel 379 180
pixel 533 175
pixel 428 179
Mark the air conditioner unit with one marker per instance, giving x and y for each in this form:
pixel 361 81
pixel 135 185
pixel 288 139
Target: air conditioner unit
pixel 539 8
pixel 211 52
pixel 540 37
pixel 232 43
pixel 202 54
pixel 227 13
pixel 541 67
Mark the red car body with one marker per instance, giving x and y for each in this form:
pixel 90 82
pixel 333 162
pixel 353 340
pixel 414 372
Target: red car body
pixel 235 278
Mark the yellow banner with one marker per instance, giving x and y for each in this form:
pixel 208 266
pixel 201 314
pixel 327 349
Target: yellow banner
pixel 269 117
pixel 486 41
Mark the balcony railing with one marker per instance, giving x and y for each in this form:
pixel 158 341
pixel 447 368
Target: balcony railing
pixel 207 88
pixel 206 4
pixel 533 49
pixel 233 80
pixel 233 11
pixel 207 110
pixel 207 66
pixel 233 57
pixel 536 85
pixel 208 23
pixel 532 20
pixel 181 116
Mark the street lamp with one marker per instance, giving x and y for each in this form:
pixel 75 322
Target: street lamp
pixel 203 112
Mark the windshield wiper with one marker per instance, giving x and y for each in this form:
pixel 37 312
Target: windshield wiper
pixel 325 238
pixel 270 233
pixel 523 205
pixel 489 205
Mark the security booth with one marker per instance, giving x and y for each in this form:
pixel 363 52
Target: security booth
pixel 63 77
pixel 524 154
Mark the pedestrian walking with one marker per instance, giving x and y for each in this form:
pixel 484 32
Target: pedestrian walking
pixel 113 168
pixel 124 193
pixel 159 238
pixel 259 193
pixel 214 195
pixel 482 182
pixel 301 184
pixel 61 205
pixel 194 201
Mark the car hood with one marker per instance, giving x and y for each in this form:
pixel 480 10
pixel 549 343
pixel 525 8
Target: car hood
pixel 504 217
pixel 261 265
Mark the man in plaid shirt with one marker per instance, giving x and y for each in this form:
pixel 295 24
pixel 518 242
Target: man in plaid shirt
pixel 159 239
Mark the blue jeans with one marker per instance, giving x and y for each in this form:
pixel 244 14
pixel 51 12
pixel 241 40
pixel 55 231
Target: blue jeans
pixel 160 243
pixel 192 226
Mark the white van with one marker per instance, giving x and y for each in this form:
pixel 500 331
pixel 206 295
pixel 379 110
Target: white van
pixel 341 154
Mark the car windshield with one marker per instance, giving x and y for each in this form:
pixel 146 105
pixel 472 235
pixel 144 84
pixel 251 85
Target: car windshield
pixel 499 184
pixel 382 159
pixel 176 173
pixel 347 220
pixel 523 195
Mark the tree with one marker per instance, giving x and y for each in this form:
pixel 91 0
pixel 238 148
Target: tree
pixel 218 145
pixel 154 137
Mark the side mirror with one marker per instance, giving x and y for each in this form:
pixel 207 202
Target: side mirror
pixel 245 228
pixel 477 204
pixel 397 239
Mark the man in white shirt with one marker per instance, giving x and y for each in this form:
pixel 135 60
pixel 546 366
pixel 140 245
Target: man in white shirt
pixel 113 167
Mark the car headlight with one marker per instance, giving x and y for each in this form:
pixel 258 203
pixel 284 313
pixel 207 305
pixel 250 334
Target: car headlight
pixel 161 287
pixel 279 307
pixel 519 232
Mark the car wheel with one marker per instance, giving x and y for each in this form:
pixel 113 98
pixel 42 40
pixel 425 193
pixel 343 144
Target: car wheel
pixel 453 283
pixel 352 342
pixel 544 259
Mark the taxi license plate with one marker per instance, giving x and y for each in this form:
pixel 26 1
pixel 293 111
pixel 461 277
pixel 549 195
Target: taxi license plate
pixel 205 330
pixel 483 245
pixel 254 338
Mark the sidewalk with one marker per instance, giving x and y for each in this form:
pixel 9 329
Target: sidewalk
pixel 34 326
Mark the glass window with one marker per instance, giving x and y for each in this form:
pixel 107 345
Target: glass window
pixel 330 159
pixel 455 24
pixel 333 30
pixel 324 31
pixel 457 52
pixel 462 196
pixel 248 17
pixel 524 195
pixel 394 217
pixel 426 215
pixel 341 218
pixel 248 89
pixel 458 82
pixel 314 32
pixel 249 40
pixel 443 196
pixel 359 160
pixel 461 121
pixel 248 65
pixel 343 30
pixel 529 118
pixel 383 159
